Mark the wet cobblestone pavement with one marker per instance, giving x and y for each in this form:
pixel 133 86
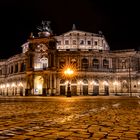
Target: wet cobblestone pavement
pixel 75 118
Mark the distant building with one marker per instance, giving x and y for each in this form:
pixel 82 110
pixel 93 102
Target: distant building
pixel 99 71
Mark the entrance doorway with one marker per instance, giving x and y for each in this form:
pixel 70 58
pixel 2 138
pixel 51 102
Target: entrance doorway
pixel 38 85
pixel 106 90
pixel 95 88
pixel 62 87
pixel 85 87
pixel 74 87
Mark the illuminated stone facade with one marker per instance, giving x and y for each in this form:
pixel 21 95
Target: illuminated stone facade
pixel 99 71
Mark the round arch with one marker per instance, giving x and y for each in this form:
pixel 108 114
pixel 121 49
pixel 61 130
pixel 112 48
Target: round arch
pixel 85 87
pixel 95 87
pixel 38 85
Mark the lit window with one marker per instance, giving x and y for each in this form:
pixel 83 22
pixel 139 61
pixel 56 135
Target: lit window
pixel 74 42
pixel 105 63
pixel 85 63
pixel 81 42
pixel 59 42
pixel 95 43
pixel 89 42
pixel 61 63
pixel 95 63
pixel 66 42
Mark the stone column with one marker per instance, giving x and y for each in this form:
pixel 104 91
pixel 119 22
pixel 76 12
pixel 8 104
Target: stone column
pixel 110 62
pixel 19 66
pixel 51 83
pixel 54 84
pixel 100 62
pixel 44 86
pixel 27 86
pixel 30 85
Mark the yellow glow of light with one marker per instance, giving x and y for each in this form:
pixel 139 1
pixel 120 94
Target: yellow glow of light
pixel 94 83
pixel 68 71
pixel 20 84
pixel 105 83
pixel 80 83
pixel 115 83
pixel 7 85
pixel 13 85
pixel 39 86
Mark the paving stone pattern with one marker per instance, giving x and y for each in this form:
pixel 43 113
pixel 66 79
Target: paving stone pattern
pixel 75 118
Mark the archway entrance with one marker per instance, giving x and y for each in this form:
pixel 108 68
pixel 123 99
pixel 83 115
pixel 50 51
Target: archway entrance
pixel 125 87
pixel 95 88
pixel 62 87
pixel 74 87
pixel 38 85
pixel 85 87
pixel 106 88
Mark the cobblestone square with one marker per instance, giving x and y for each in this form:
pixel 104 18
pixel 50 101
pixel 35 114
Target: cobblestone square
pixel 73 118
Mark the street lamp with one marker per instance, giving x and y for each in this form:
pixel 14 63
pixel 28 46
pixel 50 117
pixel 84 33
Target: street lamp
pixel 68 74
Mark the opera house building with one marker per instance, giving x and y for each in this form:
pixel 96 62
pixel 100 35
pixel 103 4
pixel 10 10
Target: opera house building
pixel 76 61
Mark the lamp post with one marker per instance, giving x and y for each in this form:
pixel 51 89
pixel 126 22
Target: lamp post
pixel 68 74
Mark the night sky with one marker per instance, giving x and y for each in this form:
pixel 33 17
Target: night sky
pixel 119 21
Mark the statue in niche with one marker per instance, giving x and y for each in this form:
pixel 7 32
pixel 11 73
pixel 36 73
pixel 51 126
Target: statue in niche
pixel 45 27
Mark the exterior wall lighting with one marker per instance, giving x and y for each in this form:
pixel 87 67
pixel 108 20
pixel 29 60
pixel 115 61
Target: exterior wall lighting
pixel 105 83
pixel 69 73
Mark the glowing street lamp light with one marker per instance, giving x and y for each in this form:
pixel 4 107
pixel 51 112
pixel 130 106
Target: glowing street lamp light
pixel 69 74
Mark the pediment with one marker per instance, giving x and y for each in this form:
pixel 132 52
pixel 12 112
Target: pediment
pixel 78 32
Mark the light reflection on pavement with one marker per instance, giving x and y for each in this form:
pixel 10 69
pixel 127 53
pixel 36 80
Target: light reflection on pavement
pixel 69 118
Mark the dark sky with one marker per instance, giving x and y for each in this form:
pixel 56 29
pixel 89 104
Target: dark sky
pixel 118 20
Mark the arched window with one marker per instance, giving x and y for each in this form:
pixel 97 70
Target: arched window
pixel 22 67
pixel 61 63
pixel 74 42
pixel 62 81
pixel 85 81
pixel 105 64
pixel 11 69
pixel 73 62
pixel 123 63
pixel 95 63
pixel 85 63
pixel 124 84
pixel 95 82
pixel 16 68
pixel 73 81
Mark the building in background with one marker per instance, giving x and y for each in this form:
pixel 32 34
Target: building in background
pixel 38 70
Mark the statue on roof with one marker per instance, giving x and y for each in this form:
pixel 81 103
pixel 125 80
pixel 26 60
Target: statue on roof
pixel 45 27
pixel 73 27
